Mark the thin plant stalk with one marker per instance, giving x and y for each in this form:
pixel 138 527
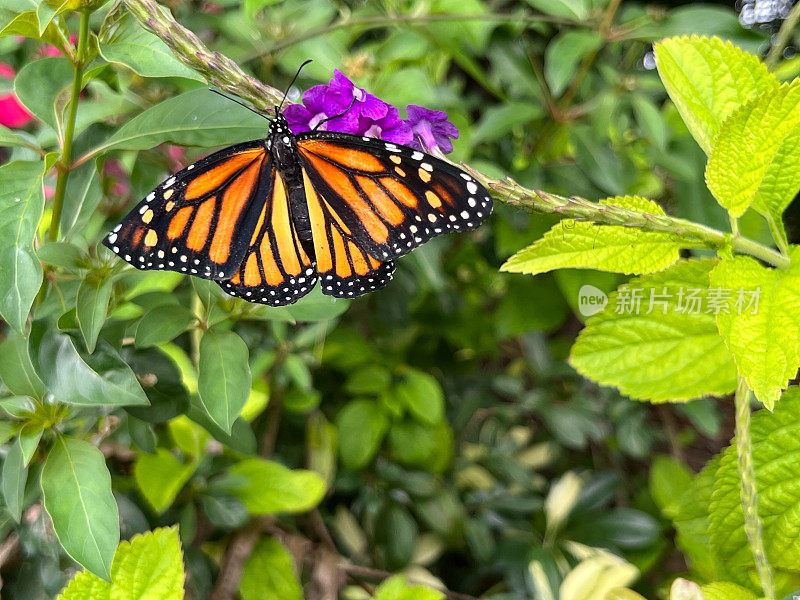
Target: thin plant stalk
pixel 783 36
pixel 748 490
pixel 65 163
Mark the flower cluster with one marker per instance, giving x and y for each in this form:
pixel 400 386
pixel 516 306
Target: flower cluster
pixel 341 106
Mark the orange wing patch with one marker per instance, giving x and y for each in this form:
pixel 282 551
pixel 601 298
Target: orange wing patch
pixel 216 177
pixel 354 159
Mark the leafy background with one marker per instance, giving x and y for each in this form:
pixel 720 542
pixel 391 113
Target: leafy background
pixel 433 429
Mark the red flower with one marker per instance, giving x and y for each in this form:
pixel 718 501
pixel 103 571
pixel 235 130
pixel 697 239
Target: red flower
pixel 12 113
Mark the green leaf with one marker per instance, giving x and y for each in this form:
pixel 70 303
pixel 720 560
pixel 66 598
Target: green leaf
pixel 658 357
pixel 77 495
pixel 40 83
pixel 422 395
pixel 708 79
pixel 81 199
pixel 21 205
pixel 26 23
pixel 723 590
pixel 62 254
pixel 101 378
pixel 568 9
pixel 563 54
pixel 398 588
pixel 148 567
pixel 12 484
pixel 650 120
pixel 315 306
pixel 91 307
pixel 125 42
pixel 9 137
pixel 272 488
pixel 195 118
pixel 28 441
pixel 361 424
pixel 776 444
pixel 224 376
pixel 762 335
pixel 162 324
pixel 765 133
pixel 571 244
pixel 16 368
pixel 668 480
pixel 269 574
pixel 160 477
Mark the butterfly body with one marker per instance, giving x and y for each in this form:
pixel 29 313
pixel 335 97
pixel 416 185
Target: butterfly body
pixel 265 219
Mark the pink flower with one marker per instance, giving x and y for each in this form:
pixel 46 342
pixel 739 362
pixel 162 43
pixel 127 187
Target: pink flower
pixel 12 113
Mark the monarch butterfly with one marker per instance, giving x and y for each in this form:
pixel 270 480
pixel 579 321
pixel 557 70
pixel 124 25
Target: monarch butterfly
pixel 266 218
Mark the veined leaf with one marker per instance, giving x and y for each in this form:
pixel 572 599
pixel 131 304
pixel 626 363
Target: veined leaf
pixel 77 495
pixel 81 199
pixel 724 590
pixel 39 84
pixel 776 444
pixel 224 376
pixel 148 567
pixel 707 79
pixel 91 307
pixel 160 477
pixel 16 368
pixel 272 488
pixel 668 349
pixel 21 205
pixel 195 118
pixel 764 133
pixel 758 321
pixel 578 244
pixel 269 574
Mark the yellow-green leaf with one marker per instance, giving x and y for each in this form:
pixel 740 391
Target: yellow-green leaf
pixel 272 488
pixel 160 477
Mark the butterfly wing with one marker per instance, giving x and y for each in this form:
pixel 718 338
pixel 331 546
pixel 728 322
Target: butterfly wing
pixel 345 269
pixel 276 269
pixel 199 220
pixel 392 198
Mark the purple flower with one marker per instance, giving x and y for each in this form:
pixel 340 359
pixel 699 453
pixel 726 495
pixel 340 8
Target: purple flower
pixel 390 127
pixel 319 106
pixel 431 129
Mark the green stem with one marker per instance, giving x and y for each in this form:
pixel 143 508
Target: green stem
pixel 69 131
pixel 784 33
pixel 749 492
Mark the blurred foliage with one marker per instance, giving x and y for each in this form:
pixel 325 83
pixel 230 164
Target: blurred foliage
pixel 430 436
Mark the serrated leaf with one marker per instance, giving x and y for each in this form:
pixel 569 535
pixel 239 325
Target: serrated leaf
pixel 91 307
pixel 160 477
pixel 658 357
pixel 125 42
pixel 269 574
pixel 77 495
pixel 21 205
pixel 272 488
pixel 776 443
pixel 195 118
pixel 148 567
pixel 762 335
pixel 707 79
pixel 224 376
pixel 585 245
pixel 765 134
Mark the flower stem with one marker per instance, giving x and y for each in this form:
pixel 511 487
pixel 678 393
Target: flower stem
pixel 65 163
pixel 784 33
pixel 749 492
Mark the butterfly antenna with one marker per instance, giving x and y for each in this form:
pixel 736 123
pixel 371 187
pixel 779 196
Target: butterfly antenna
pixel 341 114
pixel 250 108
pixel 296 75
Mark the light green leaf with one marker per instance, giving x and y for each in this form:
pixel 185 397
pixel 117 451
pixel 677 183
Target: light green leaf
pixel 361 424
pixel 563 54
pixel 765 133
pixel 9 137
pixel 16 368
pixel 398 588
pixel 568 9
pixel 708 79
pixel 162 324
pixel 272 488
pixel 101 378
pixel 654 356
pixel 28 441
pixel 12 484
pixel 195 118
pixel 726 591
pixel 224 376
pixel 91 307
pixel 571 244
pixel 776 444
pixel 21 205
pixel 758 321
pixel 39 84
pixel 269 574
pixel 148 567
pixel 160 477
pixel 125 42
pixel 77 495
pixel 26 23
pixel 668 480
pixel 650 120
pixel 423 396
